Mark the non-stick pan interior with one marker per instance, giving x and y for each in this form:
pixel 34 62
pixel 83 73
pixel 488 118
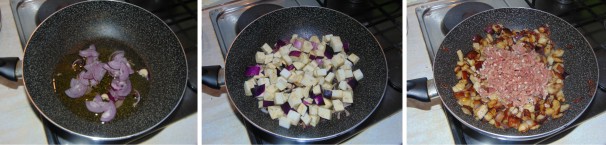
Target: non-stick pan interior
pixel 307 21
pixel 111 24
pixel 579 62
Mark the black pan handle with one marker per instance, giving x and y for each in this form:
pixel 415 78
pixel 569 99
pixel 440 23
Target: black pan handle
pixel 9 68
pixel 213 76
pixel 421 89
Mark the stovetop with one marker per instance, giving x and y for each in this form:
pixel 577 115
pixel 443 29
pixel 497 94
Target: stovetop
pixel 179 15
pixel 382 17
pixel 587 16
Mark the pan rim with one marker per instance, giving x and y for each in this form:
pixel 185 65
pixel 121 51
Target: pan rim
pixel 317 138
pixel 94 138
pixel 517 137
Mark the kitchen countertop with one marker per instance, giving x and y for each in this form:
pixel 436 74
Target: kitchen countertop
pixel 426 122
pixel 221 126
pixel 19 122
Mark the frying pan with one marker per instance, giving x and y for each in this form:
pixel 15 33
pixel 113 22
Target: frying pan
pixel 304 21
pixel 579 61
pixel 111 24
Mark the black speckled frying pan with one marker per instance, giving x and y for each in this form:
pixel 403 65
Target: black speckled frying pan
pixel 307 21
pixel 579 61
pixel 106 23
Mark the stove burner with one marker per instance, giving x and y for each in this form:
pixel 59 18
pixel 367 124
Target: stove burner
pixel 460 12
pixel 51 6
pixel 253 13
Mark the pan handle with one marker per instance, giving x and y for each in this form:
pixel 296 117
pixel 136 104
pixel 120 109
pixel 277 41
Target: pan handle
pixel 421 89
pixel 213 76
pixel 10 68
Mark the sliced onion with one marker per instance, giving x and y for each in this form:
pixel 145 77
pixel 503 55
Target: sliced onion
pixel 258 90
pixel 294 53
pixel 297 44
pixel 318 99
pixel 97 105
pixel 352 82
pixel 110 113
pixel 253 70
pixel 285 107
pixel 268 103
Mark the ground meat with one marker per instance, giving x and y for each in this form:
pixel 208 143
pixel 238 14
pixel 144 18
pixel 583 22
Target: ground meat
pixel 515 76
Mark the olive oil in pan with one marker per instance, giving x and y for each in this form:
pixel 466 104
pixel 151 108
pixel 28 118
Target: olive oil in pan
pixel 64 73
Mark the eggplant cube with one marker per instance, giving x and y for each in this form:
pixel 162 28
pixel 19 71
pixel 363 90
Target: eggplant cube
pixel 306 118
pixel 353 58
pixel 302 109
pixel 306 46
pixel 313 109
pixel 284 122
pixel 284 50
pixel 275 112
pixel 326 38
pixel 348 73
pixel 260 57
pixel 329 77
pixel 321 72
pixel 340 75
pixel 281 83
pixel 316 90
pixel 338 105
pixel 358 74
pixel 324 113
pixel 336 44
pixel 285 73
pixel 279 98
pixel 298 65
pixel 337 94
pixel 266 48
pixel 294 101
pixel 343 85
pixel 287 59
pixel 327 103
pixel 347 97
pixel 294 117
pixel 314 120
pixel 308 81
pixel 248 85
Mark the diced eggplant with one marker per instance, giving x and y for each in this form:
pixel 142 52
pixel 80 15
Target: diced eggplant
pixel 294 117
pixel 302 109
pixel 353 58
pixel 306 118
pixel 358 74
pixel 275 112
pixel 260 57
pixel 284 122
pixel 324 113
pixel 338 105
